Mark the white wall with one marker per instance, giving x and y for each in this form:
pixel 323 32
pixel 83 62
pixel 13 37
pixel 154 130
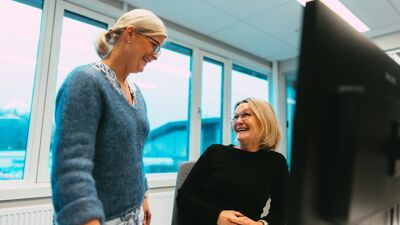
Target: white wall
pixel 161 204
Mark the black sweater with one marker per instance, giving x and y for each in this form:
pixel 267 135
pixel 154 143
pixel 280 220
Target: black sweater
pixel 227 178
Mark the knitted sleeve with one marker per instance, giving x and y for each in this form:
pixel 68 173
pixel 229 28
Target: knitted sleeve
pixel 78 111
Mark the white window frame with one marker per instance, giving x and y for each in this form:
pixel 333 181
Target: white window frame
pixel 36 178
pixel 255 67
pixel 164 180
pixel 26 187
pixel 61 7
pixel 36 181
pixel 226 78
pixel 269 76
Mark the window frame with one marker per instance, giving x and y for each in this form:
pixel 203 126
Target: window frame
pixel 259 74
pixel 269 76
pixel 61 7
pixel 222 114
pixel 36 177
pixel 255 71
pixel 225 92
pixel 26 187
pixel 157 179
pixel 167 180
pixel 289 76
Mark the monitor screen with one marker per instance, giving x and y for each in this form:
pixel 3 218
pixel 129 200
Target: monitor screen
pixel 345 152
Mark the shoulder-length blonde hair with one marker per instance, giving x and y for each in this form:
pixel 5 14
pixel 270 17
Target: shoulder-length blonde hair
pixel 265 115
pixel 144 21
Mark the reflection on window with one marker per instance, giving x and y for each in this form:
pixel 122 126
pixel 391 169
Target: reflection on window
pixel 247 83
pixel 78 36
pixel 290 109
pixel 165 87
pixel 17 79
pixel 211 103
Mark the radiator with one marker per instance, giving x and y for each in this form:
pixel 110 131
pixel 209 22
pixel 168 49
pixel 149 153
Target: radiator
pixel 160 205
pixel 27 215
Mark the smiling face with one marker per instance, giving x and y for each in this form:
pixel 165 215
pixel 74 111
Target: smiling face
pixel 141 50
pixel 247 128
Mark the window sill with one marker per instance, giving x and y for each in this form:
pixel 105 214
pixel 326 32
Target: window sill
pixel 21 190
pixel 17 190
pixel 161 180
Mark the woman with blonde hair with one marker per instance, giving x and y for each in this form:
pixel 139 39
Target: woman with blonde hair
pixel 101 126
pixel 229 184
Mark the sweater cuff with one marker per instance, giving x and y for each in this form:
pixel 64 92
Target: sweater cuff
pixel 81 211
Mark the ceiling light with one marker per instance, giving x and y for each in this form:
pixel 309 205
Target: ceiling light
pixel 303 2
pixel 342 11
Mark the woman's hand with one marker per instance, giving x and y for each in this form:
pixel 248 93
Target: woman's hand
pixel 226 216
pixel 92 222
pixel 147 213
pixel 244 220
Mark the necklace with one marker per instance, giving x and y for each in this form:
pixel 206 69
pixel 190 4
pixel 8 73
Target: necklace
pixel 128 92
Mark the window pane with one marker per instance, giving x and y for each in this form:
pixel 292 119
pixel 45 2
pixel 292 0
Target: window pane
pixel 165 87
pixel 78 36
pixel 290 109
pixel 247 83
pixel 18 52
pixel 211 103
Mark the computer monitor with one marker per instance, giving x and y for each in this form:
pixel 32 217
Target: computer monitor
pixel 345 152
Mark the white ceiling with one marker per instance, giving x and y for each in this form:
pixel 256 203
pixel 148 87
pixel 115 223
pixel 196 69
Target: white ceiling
pixel 269 29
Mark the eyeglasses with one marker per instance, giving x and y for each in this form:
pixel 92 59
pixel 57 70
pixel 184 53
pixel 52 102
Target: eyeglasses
pixel 155 43
pixel 244 115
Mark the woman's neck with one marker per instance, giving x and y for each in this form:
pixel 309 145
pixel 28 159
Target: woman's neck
pixel 249 147
pixel 119 70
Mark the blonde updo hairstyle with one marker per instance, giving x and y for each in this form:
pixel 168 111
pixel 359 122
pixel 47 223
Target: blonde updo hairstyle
pixel 265 115
pixel 144 21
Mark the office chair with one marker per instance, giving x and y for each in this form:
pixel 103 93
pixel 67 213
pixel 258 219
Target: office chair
pixel 184 170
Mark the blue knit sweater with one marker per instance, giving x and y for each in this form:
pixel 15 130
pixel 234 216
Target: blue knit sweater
pixel 98 148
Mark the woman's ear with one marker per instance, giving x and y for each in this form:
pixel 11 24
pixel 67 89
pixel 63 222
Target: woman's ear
pixel 129 34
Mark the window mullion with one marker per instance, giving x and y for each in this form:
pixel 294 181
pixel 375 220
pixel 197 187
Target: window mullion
pixel 226 112
pixel 64 11
pixel 37 106
pixel 51 75
pixel 195 106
